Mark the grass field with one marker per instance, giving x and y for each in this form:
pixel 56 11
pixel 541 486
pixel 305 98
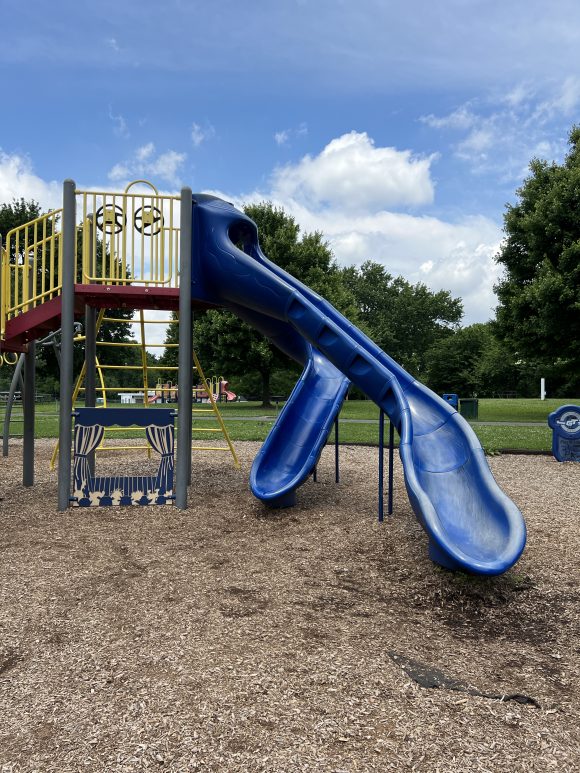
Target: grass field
pixel 258 420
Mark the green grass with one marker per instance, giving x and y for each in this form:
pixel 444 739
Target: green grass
pixel 492 438
pixel 521 409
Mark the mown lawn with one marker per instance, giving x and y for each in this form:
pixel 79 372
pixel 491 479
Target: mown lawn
pixel 259 420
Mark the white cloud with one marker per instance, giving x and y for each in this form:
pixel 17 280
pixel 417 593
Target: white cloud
pixel 18 180
pixel 167 165
pixel 144 162
pixel 281 138
pixel 112 44
pixel 500 134
pixel 145 152
pixel 352 173
pixel 120 127
pixel 477 143
pixel 200 133
pixel 155 333
pixel 564 100
pixel 284 136
pixel 455 256
pixel 462 118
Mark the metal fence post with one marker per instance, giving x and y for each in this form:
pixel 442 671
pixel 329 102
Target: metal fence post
pixel 185 353
pixel 67 318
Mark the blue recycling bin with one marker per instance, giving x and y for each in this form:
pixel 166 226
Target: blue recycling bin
pixel 565 425
pixel 453 400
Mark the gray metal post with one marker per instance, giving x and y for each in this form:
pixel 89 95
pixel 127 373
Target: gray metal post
pixel 391 454
pixel 16 379
pixel 28 411
pixel 67 318
pixel 381 460
pixel 184 374
pixel 190 428
pixel 91 353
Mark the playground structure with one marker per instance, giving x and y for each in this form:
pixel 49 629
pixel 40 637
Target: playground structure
pixel 129 252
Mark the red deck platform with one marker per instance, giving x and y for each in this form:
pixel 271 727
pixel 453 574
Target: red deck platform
pixel 44 319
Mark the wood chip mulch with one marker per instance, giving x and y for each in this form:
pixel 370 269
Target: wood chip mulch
pixel 233 638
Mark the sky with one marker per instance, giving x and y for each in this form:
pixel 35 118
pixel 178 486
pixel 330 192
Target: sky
pixel 399 129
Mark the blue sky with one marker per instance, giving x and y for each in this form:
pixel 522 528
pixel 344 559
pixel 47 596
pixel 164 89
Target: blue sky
pixel 399 129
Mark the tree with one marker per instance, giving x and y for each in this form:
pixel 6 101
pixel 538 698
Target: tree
pixel 405 320
pixel 471 362
pixel 229 347
pixel 539 296
pixel 16 213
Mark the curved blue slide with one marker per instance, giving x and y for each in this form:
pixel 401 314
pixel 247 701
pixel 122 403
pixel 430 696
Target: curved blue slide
pixel 471 524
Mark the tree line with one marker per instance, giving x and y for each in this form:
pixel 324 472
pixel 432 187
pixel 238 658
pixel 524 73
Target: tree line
pixel 535 332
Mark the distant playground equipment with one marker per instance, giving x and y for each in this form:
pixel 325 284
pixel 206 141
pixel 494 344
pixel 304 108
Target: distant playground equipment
pixel 565 425
pixel 142 250
pixel 219 390
pixel 218 387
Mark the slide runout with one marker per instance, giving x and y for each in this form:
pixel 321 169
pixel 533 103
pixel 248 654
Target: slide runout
pixel 471 524
pixel 293 447
pixel 299 434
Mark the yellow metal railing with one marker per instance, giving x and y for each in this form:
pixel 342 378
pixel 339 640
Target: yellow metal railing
pixel 31 266
pixel 129 238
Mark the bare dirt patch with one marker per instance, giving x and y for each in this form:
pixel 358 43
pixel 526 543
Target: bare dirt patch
pixel 233 638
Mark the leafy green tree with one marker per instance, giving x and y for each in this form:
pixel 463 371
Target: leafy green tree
pixel 539 296
pixel 405 320
pixel 16 213
pixel 472 362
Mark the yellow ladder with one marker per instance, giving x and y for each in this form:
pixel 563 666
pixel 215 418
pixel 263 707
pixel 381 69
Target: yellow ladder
pixel 145 367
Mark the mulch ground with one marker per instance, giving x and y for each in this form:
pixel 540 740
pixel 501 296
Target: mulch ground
pixel 232 638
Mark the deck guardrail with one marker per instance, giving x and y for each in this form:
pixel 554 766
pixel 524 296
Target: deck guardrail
pixel 129 238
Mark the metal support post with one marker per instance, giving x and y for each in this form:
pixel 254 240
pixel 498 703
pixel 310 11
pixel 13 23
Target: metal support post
pixel 336 467
pixel 91 351
pixel 28 410
pixel 185 352
pixel 190 429
pixel 16 379
pixel 381 461
pixel 67 343
pixel 391 453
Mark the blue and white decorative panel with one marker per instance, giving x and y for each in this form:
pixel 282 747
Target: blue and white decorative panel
pixel 565 425
pixel 98 491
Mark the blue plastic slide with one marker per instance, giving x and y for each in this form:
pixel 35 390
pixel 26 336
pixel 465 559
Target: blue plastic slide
pixel 471 524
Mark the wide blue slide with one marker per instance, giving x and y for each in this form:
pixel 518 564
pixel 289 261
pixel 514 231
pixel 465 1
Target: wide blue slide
pixel 471 524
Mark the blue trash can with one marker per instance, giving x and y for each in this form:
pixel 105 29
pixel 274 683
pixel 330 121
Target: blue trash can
pixel 453 400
